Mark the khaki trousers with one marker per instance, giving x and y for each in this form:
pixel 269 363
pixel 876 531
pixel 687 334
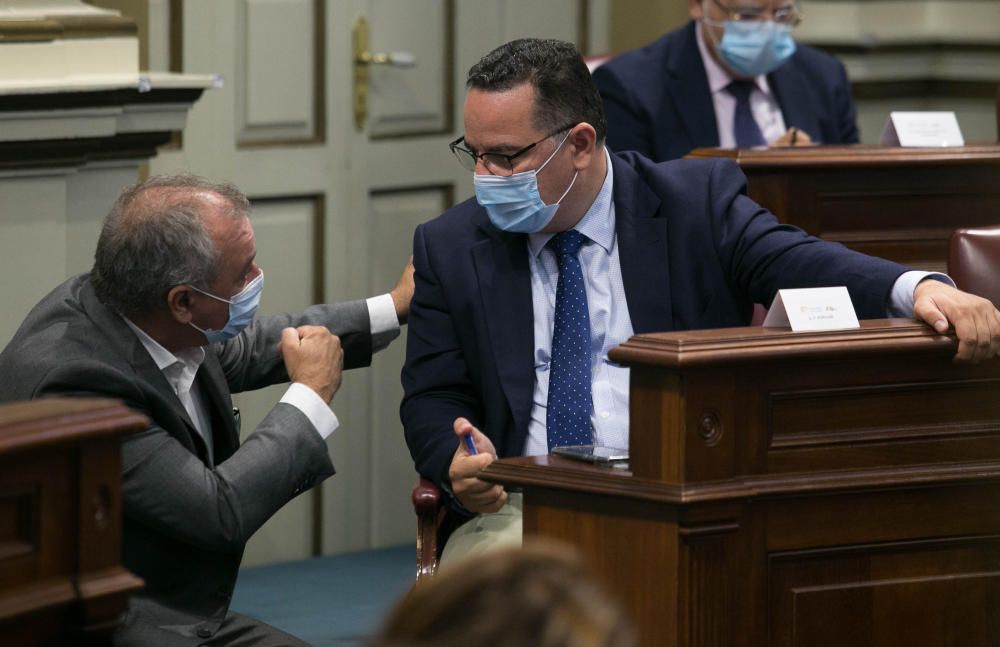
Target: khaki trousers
pixel 485 532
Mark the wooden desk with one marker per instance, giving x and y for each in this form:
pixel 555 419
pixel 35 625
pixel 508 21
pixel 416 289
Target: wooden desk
pixel 61 582
pixel 812 489
pixel 897 203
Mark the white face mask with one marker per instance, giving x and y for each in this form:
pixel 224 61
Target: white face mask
pixel 513 202
pixel 752 48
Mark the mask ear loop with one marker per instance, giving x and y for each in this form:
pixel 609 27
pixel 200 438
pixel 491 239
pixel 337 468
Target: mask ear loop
pixel 571 183
pixel 546 162
pixel 577 173
pixel 716 42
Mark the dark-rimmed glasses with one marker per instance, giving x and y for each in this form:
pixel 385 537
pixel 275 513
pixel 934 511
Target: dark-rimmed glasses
pixel 495 163
pixel 788 15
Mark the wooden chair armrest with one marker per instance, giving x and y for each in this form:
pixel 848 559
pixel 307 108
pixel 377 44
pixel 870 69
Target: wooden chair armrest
pixel 428 504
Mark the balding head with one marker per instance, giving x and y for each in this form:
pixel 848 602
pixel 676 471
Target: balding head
pixel 157 235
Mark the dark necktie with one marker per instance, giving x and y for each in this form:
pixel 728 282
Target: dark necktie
pixel 745 128
pixel 568 410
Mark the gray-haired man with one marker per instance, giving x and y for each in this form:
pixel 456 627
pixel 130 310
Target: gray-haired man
pixel 165 322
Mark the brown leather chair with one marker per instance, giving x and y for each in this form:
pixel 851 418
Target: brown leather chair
pixel 428 504
pixel 974 261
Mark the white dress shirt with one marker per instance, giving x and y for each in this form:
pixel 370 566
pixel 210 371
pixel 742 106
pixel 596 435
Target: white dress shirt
pixel 610 325
pixel 763 103
pixel 181 368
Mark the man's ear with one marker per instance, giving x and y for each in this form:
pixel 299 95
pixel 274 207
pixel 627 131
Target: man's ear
pixel 179 303
pixel 583 142
pixel 695 9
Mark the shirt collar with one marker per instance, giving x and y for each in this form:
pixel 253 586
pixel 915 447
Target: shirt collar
pixel 598 224
pixel 718 76
pixel 164 359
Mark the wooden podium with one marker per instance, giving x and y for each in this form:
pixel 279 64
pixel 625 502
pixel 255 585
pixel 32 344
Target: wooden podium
pixel 810 489
pixel 897 203
pixel 61 579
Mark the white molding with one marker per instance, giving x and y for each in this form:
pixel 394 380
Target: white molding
pixel 35 9
pixel 97 82
pixel 943 65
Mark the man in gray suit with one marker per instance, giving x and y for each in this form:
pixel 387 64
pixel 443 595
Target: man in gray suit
pixel 164 321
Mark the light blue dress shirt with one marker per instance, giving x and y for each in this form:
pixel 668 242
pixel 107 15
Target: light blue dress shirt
pixel 610 324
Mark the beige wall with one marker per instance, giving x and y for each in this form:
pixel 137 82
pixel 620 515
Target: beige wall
pixel 634 23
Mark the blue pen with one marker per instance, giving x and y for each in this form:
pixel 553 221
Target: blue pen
pixel 469 444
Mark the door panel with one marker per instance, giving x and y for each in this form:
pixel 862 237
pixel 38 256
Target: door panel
pixel 417 99
pixel 393 217
pixel 276 86
pixel 291 282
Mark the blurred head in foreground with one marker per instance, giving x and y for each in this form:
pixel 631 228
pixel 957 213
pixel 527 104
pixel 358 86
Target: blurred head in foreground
pixel 536 595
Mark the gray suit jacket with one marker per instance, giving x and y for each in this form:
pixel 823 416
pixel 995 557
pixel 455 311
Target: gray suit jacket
pixel 185 521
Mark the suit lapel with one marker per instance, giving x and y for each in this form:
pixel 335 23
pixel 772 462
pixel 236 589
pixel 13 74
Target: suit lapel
pixel 688 88
pixel 504 279
pixel 124 342
pixel 642 250
pixel 212 380
pixel 797 107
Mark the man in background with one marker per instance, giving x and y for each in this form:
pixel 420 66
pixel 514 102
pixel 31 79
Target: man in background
pixel 732 77
pixel 165 322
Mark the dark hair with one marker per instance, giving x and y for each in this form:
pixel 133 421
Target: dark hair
pixel 564 90
pixel 538 595
pixel 154 238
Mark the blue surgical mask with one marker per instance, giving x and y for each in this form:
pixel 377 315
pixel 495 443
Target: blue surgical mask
pixel 242 309
pixel 756 48
pixel 513 202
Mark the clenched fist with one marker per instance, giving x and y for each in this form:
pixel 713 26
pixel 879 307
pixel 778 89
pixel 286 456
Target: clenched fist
pixel 313 356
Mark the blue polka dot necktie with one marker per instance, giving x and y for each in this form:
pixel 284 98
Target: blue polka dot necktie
pixel 568 415
pixel 745 129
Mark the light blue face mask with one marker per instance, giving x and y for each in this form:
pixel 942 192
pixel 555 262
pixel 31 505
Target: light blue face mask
pixel 756 48
pixel 242 310
pixel 513 202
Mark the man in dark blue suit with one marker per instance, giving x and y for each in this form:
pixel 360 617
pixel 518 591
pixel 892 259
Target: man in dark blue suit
pixel 731 77
pixel 567 251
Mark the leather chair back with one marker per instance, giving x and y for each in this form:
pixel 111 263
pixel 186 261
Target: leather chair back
pixel 974 261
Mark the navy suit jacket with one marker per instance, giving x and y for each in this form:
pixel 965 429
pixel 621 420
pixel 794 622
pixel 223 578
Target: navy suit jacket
pixel 657 100
pixel 695 252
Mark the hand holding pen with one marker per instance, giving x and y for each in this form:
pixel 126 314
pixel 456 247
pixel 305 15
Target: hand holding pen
pixel 793 137
pixel 474 453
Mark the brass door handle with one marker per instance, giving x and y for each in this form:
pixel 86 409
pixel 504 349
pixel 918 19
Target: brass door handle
pixel 363 59
pixel 399 59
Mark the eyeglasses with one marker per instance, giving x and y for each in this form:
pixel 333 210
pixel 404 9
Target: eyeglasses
pixel 785 15
pixel 495 163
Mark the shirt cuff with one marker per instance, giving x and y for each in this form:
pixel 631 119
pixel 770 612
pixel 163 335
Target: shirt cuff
pixel 383 320
pixel 323 419
pixel 901 299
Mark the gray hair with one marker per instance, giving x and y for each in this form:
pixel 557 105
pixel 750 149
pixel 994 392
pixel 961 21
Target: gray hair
pixel 154 238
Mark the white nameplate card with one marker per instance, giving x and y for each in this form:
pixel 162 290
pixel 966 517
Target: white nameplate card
pixel 922 129
pixel 812 309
